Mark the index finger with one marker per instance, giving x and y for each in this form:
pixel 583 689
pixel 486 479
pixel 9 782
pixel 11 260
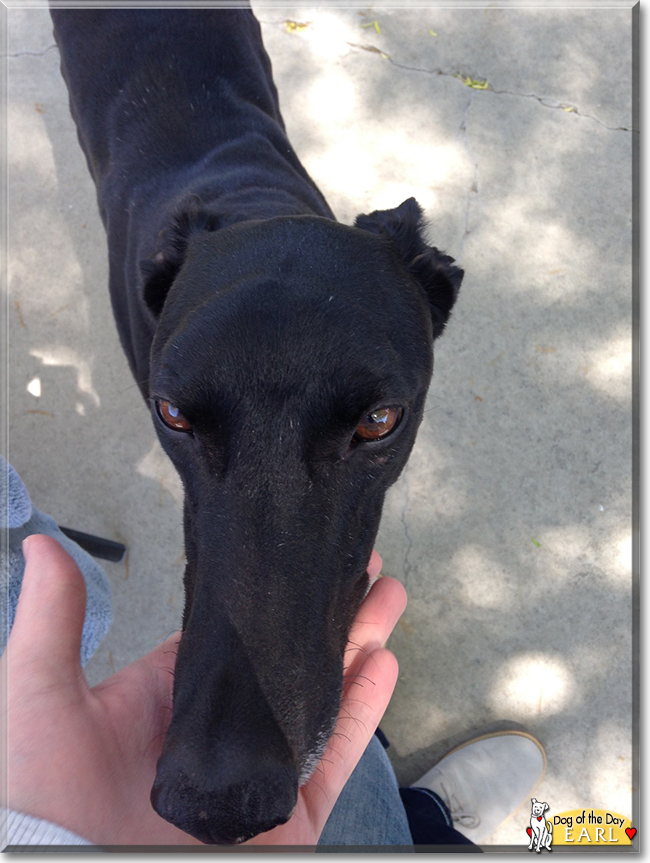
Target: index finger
pixel 377 617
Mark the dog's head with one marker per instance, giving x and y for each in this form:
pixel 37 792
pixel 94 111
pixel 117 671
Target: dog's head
pixel 289 371
pixel 538 807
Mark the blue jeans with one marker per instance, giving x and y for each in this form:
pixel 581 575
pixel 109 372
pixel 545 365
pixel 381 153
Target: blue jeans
pixel 369 810
pixel 373 810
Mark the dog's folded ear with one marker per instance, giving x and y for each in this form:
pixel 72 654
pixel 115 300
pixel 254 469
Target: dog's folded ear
pixel 436 272
pixel 159 271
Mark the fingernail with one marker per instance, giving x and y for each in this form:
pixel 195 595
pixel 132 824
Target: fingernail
pixel 25 546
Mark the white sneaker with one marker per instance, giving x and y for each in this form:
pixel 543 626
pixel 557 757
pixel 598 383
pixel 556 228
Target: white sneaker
pixel 486 779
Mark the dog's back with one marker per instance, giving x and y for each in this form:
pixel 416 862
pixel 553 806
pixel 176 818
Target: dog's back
pixel 166 93
pixel 176 110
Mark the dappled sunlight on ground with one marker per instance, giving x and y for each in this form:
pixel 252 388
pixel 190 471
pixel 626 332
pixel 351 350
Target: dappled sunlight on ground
pixel 30 148
pixel 155 466
pixel 529 685
pixel 479 583
pixel 64 355
pixel 610 368
pixel 624 549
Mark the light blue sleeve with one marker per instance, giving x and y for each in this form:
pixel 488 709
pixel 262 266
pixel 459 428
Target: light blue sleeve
pixel 19 830
pixel 21 519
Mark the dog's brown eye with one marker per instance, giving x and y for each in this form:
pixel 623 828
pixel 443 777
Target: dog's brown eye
pixel 378 424
pixel 171 416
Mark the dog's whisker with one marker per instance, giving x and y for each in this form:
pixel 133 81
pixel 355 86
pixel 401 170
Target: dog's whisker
pixel 349 700
pixel 357 647
pixel 351 716
pixel 132 386
pixel 153 742
pixel 341 734
pixel 353 678
pixel 334 751
pixel 369 655
pixel 315 784
pixel 173 649
pixel 357 683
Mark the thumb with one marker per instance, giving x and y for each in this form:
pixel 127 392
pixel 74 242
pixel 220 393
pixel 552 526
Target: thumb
pixel 51 608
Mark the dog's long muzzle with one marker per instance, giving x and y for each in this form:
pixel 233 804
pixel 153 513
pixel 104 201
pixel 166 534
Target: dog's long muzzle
pixel 227 772
pixel 250 720
pixel 227 800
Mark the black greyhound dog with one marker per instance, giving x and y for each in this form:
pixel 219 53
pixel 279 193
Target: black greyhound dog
pixel 285 359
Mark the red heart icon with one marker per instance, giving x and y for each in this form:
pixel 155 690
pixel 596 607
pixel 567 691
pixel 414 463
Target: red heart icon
pixel 539 817
pixel 529 831
pixel 631 832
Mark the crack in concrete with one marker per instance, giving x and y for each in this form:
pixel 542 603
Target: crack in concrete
pixel 473 200
pixel 29 53
pixel 543 100
pixel 564 106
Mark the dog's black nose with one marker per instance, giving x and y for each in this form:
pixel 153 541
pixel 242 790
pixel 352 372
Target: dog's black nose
pixel 223 803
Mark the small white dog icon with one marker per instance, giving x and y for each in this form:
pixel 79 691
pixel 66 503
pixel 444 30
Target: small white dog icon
pixel 541 830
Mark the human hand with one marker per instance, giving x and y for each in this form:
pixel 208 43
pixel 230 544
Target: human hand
pixel 82 758
pixel 86 758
